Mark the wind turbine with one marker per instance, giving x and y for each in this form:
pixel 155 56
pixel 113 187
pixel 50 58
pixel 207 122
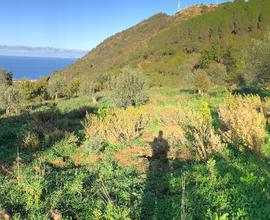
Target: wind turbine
pixel 178 5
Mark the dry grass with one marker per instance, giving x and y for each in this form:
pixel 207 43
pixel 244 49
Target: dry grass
pixel 244 121
pixel 119 126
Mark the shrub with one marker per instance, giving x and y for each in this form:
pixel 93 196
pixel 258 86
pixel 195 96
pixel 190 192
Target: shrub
pixel 203 141
pixel 56 87
pixel 170 119
pixel 30 141
pixel 191 131
pixel 73 87
pixel 129 88
pixel 201 80
pixel 26 89
pixel 5 78
pixel 244 121
pixel 257 62
pixel 217 73
pixel 48 126
pixel 185 74
pixel 10 99
pixel 88 88
pixel 118 126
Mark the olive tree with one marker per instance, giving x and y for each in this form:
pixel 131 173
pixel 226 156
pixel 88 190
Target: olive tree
pixel 10 99
pixel 88 88
pixel 129 88
pixel 258 62
pixel 56 87
pixel 217 73
pixel 5 77
pixel 201 81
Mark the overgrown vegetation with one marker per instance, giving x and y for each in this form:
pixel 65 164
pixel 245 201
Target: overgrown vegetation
pixel 123 146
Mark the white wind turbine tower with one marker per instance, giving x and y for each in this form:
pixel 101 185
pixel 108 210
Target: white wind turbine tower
pixel 178 6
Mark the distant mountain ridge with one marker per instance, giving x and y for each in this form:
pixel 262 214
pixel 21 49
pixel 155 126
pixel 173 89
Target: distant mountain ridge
pixel 7 50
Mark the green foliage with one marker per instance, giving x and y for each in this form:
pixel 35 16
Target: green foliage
pixel 213 53
pixel 5 78
pixel 129 88
pixel 258 67
pixel 73 87
pixel 10 99
pixel 56 87
pixel 103 80
pixel 33 91
pixel 41 88
pixel 251 90
pixel 27 90
pixel 87 88
pixel 217 73
pixel 93 180
pixel 201 80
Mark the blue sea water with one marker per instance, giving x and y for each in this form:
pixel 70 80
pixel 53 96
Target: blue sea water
pixel 33 67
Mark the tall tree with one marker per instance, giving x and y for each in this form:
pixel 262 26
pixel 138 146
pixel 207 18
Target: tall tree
pixel 5 77
pixel 258 62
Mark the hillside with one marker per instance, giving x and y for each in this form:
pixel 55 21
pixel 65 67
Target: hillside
pixel 184 136
pixel 129 45
pixel 162 43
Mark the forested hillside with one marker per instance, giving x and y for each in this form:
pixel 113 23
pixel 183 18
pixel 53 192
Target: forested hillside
pixel 166 46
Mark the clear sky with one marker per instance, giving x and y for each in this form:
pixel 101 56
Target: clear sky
pixel 76 24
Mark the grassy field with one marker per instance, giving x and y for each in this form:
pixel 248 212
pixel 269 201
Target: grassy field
pixel 93 161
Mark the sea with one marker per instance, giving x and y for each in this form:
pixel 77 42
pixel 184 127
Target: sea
pixel 33 67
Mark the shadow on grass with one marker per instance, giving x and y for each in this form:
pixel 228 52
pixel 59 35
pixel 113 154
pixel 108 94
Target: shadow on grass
pixel 159 201
pixel 252 90
pixel 44 124
pixel 238 187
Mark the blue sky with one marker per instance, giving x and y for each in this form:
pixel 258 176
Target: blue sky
pixel 75 24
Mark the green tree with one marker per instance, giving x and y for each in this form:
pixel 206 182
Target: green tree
pixel 5 77
pixel 201 81
pixel 88 88
pixel 56 87
pixel 217 73
pixel 213 53
pixel 26 90
pixel 258 62
pixel 10 99
pixel 103 80
pixel 73 87
pixel 129 88
pixel 41 88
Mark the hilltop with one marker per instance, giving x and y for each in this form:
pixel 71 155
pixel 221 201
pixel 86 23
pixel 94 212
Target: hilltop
pixel 162 44
pixel 127 46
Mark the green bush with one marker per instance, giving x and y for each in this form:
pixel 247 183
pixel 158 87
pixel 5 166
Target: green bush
pixel 129 88
pixel 257 62
pixel 10 99
pixel 5 78
pixel 217 73
pixel 201 80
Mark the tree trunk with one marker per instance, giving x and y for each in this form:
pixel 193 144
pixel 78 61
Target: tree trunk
pixel 8 110
pixel 200 92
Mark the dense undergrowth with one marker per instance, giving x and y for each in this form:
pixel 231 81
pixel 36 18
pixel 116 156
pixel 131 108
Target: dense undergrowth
pixel 180 156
